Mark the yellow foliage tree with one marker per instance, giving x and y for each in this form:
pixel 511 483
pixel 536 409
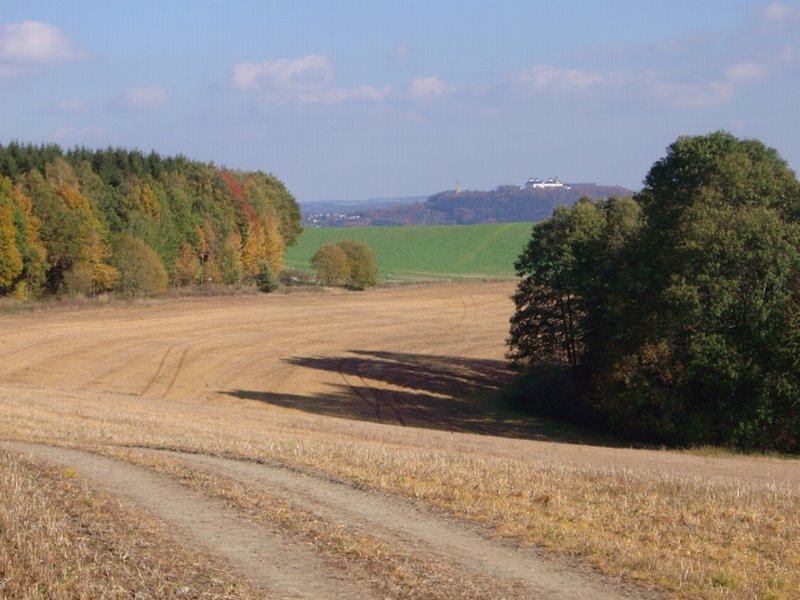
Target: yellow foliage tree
pixel 32 251
pixel 10 256
pixel 91 275
pixel 142 199
pixel 231 259
pixel 187 266
pixel 140 268
pixel 264 245
pixel 274 244
pixel 331 265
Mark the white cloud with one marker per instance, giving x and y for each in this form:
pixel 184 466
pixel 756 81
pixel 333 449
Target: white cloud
pixel 70 106
pixel 34 43
pixel 746 72
pixel 12 71
pixel 304 80
pixel 77 135
pixel 788 55
pixel 692 94
pixel 339 95
pixel 150 97
pixel 307 72
pixel 779 13
pixel 401 55
pixel 430 87
pixel 550 78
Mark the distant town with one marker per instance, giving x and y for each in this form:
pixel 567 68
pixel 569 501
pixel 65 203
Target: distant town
pixel 328 219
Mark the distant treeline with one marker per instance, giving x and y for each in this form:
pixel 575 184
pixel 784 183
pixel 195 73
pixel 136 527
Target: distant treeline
pixel 115 220
pixel 505 204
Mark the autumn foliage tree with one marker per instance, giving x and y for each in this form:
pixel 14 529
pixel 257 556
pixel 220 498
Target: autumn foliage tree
pixel 349 262
pixel 363 264
pixel 23 258
pixel 140 270
pixel 331 265
pixel 10 256
pixel 206 224
pixel 91 274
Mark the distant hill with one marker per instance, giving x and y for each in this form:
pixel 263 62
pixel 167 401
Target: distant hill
pixel 505 204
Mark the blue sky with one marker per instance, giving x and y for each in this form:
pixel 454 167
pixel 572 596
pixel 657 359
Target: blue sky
pixel 355 100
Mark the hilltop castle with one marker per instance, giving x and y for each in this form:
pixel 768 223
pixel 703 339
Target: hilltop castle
pixel 536 184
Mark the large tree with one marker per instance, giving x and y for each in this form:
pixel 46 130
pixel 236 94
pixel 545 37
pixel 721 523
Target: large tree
pixel 331 265
pixel 140 270
pixel 689 322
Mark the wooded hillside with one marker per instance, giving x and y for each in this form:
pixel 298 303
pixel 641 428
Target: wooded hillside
pixel 93 221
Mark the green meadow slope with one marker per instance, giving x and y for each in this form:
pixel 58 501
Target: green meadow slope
pixel 426 252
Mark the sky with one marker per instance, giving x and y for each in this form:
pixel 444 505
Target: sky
pixel 352 100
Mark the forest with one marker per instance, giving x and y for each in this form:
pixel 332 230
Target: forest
pixel 672 316
pixel 112 220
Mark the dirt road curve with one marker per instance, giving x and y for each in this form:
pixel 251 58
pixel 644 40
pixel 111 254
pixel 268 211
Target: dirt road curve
pixel 284 568
pixel 260 554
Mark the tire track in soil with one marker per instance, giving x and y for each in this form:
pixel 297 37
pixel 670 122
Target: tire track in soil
pixel 157 373
pixel 376 398
pixel 373 397
pixel 282 568
pixel 176 373
pixel 421 532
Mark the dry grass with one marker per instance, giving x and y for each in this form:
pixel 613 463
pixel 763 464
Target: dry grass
pixel 691 538
pixel 59 539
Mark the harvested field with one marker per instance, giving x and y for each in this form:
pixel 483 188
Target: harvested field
pixel 311 415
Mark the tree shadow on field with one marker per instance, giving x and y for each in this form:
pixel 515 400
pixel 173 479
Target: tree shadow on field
pixel 438 392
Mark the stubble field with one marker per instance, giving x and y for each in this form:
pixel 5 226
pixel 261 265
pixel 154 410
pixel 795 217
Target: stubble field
pixel 345 445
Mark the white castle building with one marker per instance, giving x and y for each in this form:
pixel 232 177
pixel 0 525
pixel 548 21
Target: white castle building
pixel 537 184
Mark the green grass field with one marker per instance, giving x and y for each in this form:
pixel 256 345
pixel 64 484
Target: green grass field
pixel 426 252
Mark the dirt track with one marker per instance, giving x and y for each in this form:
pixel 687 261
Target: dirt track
pixel 285 568
pixel 425 355
pixel 260 554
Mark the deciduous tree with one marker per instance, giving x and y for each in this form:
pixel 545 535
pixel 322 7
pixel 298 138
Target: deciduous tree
pixel 331 265
pixel 10 256
pixel 140 270
pixel 363 264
